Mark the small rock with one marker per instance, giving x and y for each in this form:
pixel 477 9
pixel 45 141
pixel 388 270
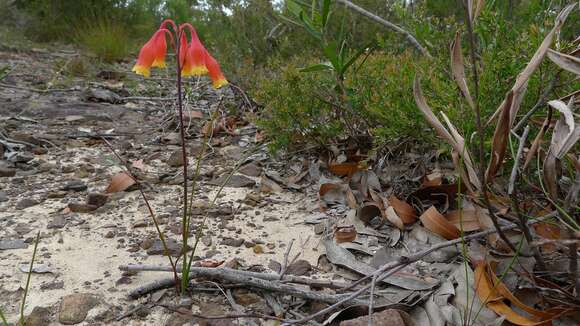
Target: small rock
pixel 109 235
pixel 233 152
pixel 74 185
pixel 12 244
pixel 22 229
pixel 236 181
pixel 58 222
pixel 3 196
pixel 251 169
pixel 56 194
pixel 26 202
pixel 232 242
pixel 97 199
pixel 140 224
pixel 45 167
pixel 102 95
pixel 81 208
pixel 299 268
pixel 7 172
pixel 173 246
pixel 74 308
pixel 39 316
pixel 175 159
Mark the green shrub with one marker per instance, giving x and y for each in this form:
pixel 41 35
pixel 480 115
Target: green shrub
pixel 294 113
pixel 298 108
pixel 108 40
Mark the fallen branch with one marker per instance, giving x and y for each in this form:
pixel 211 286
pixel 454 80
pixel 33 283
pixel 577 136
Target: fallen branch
pixel 387 24
pixel 211 272
pixel 244 278
pixel 145 98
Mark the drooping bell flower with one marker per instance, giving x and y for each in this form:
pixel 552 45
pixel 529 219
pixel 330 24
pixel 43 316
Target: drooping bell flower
pixel 152 54
pixel 214 71
pixel 196 54
pixel 184 60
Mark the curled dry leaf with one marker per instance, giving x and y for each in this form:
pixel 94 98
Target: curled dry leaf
pixel 494 293
pixel 564 61
pixel 564 137
pixel 452 137
pixel 394 218
pixel 436 223
pixel 405 211
pixel 459 70
pixel 120 182
pixel 368 212
pixel 432 179
pixel 508 109
pixel 465 218
pixel 345 233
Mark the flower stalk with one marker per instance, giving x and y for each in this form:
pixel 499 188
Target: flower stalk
pixel 192 59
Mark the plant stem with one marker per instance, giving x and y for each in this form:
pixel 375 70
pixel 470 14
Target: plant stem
pixel 480 131
pixel 184 224
pixel 22 323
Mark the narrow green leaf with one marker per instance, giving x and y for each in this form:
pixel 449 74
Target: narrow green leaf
pixel 317 67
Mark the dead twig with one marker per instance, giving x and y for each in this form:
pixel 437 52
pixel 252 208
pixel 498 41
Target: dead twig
pixel 410 38
pixel 514 200
pixel 216 272
pixel 285 264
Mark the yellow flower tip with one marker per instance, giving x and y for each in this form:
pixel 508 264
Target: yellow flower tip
pixel 219 83
pixel 186 72
pixel 141 70
pixel 198 71
pixel 159 63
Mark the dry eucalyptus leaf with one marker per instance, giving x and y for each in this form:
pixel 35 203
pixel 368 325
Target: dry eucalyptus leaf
pixel 120 182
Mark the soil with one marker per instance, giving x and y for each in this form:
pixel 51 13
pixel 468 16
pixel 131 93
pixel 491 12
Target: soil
pixel 63 160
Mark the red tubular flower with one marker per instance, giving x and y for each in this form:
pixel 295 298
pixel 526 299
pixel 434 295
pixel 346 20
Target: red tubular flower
pixel 196 52
pixel 152 54
pixel 214 71
pixel 184 60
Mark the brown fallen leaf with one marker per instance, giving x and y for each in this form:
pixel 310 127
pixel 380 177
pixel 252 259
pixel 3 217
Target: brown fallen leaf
pixel 405 211
pixel 343 169
pixel 120 182
pixel 432 179
pixel 438 224
pixel 493 293
pixel 368 212
pixel 465 218
pixel 394 218
pixel 345 233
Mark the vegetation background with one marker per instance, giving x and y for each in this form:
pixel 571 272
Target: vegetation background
pixel 262 49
